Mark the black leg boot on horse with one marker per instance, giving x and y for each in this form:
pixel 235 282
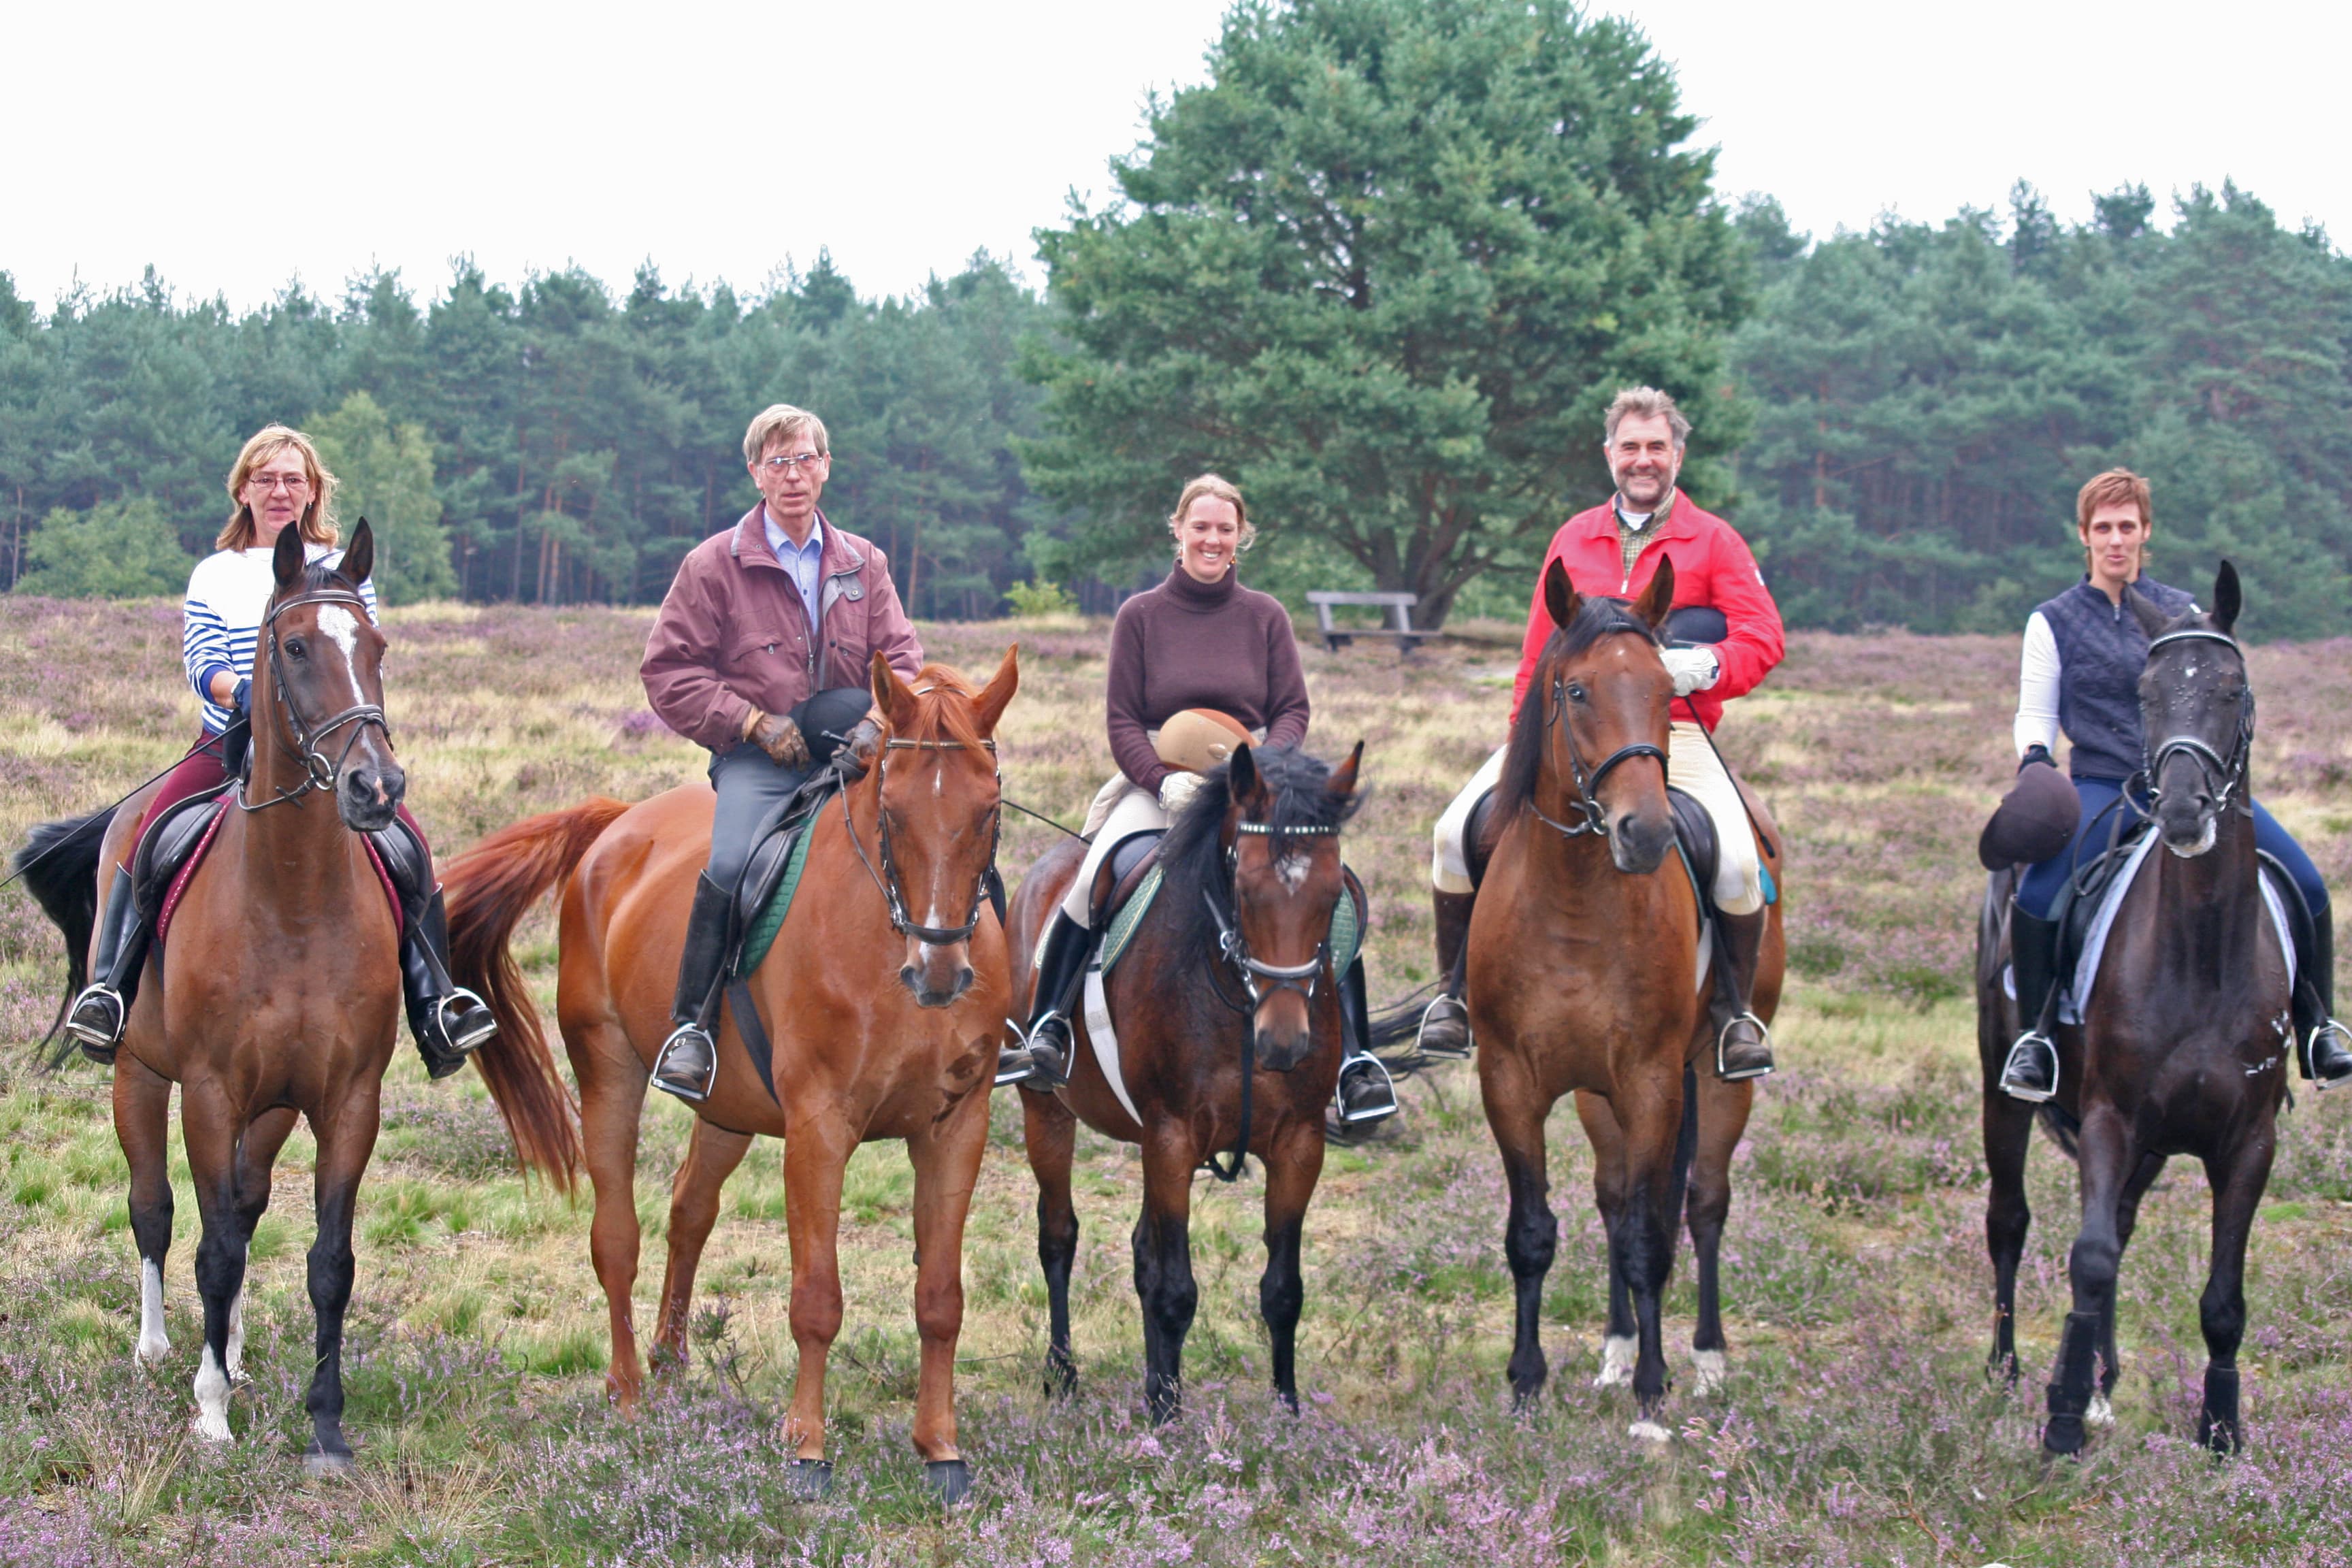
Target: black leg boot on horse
pixel 1366 1092
pixel 687 1064
pixel 1446 1021
pixel 2327 1048
pixel 1743 1046
pixel 1044 1062
pixel 2030 1071
pixel 104 1005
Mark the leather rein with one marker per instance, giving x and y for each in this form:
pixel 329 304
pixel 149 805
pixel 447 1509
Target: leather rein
pixel 886 878
pixel 2229 772
pixel 318 771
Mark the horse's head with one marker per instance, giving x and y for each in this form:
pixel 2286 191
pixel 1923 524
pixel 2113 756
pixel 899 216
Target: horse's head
pixel 1594 718
pixel 2197 717
pixel 1278 814
pixel 936 815
pixel 318 686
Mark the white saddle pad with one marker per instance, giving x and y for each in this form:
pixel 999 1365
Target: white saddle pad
pixel 2095 943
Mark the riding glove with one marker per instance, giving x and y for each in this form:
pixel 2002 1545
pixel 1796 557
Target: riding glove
pixel 777 735
pixel 240 701
pixel 1176 790
pixel 2035 754
pixel 859 747
pixel 1694 669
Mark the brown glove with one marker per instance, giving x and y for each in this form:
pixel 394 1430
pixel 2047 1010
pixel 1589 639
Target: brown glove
pixel 857 749
pixel 777 735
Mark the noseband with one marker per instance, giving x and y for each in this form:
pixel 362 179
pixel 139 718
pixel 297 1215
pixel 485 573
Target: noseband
pixel 319 773
pixel 2224 775
pixel 887 878
pixel 1588 785
pixel 1234 947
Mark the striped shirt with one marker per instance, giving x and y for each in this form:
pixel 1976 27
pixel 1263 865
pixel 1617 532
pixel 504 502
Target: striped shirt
pixel 228 592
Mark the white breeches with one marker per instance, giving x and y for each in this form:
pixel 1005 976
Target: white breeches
pixel 1691 767
pixel 1121 809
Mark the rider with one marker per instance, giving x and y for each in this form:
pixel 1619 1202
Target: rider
pixel 1614 550
pixel 278 482
pixel 1200 640
pixel 762 653
pixel 2080 672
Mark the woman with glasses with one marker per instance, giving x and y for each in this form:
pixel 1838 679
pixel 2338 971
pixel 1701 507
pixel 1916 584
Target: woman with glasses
pixel 278 483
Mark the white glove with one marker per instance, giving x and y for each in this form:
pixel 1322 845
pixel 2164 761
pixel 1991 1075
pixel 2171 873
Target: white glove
pixel 1176 790
pixel 1694 669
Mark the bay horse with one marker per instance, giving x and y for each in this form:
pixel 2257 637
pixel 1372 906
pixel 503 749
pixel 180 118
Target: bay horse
pixel 2183 1047
pixel 1584 975
pixel 278 993
pixel 875 1026
pixel 1227 1011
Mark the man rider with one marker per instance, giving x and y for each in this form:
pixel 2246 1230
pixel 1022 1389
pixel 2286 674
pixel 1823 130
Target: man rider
pixel 762 653
pixel 1614 550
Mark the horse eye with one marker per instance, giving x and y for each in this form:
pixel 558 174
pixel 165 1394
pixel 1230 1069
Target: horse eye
pixel 1575 691
pixel 296 648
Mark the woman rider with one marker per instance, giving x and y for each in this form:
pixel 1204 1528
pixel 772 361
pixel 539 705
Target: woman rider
pixel 2080 672
pixel 1200 640
pixel 277 483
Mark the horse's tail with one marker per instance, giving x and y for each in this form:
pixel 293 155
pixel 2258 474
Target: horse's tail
pixel 58 864
pixel 1686 1138
pixel 489 888
pixel 2062 1127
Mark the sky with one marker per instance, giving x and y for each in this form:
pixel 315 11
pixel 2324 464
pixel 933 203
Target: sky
pixel 235 147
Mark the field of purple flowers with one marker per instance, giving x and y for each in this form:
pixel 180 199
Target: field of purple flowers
pixel 1857 1425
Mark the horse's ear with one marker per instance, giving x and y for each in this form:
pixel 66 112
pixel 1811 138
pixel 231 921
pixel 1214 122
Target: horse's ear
pixel 1658 598
pixel 2226 597
pixel 286 558
pixel 989 706
pixel 892 696
pixel 1559 596
pixel 359 555
pixel 2151 620
pixel 1240 776
pixel 1342 780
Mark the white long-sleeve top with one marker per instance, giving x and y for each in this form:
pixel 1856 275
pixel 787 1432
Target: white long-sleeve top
pixel 228 592
pixel 2038 676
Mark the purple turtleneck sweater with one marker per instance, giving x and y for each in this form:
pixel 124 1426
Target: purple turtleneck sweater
pixel 1189 644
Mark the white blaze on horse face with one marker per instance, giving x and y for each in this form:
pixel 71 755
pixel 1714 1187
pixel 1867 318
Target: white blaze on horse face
pixel 153 1344
pixel 212 1399
pixel 1292 870
pixel 343 628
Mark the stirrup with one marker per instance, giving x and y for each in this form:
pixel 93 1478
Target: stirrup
pixel 1453 1009
pixel 1014 1063
pixel 95 1037
pixel 1042 1074
pixel 2326 1028
pixel 2022 1058
pixel 1380 1110
pixel 456 1005
pixel 1721 1036
pixel 686 1088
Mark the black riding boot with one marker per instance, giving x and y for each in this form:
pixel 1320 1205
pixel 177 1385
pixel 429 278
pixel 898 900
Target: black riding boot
pixel 104 1004
pixel 1743 1047
pixel 1446 1021
pixel 687 1064
pixel 1366 1094
pixel 2030 1071
pixel 2326 1060
pixel 1061 968
pixel 446 1020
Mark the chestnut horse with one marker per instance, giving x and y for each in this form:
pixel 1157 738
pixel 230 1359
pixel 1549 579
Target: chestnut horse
pixel 278 992
pixel 1584 974
pixel 1227 1011
pixel 879 1028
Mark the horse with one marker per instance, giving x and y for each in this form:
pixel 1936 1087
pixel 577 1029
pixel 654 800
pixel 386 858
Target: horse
pixel 869 1025
pixel 278 995
pixel 1227 1009
pixel 1584 974
pixel 2183 1048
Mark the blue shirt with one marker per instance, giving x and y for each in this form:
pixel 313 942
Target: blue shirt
pixel 804 561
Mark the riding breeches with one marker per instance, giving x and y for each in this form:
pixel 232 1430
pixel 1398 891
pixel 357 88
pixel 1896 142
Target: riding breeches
pixel 751 787
pixel 1131 811
pixel 2037 890
pixel 1692 767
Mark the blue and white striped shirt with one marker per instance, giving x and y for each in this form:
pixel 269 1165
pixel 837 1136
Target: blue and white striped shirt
pixel 229 594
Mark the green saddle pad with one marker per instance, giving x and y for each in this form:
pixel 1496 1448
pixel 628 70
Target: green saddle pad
pixel 762 936
pixel 1347 930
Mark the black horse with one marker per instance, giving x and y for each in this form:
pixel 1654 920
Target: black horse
pixel 2183 1049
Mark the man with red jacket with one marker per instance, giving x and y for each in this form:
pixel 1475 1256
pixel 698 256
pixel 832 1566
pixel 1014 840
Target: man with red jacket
pixel 1614 550
pixel 762 652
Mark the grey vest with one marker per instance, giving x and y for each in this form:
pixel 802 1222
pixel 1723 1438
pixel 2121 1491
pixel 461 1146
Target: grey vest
pixel 2101 652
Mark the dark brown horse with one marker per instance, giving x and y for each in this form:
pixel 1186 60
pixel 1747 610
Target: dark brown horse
pixel 878 1027
pixel 278 994
pixel 1226 1009
pixel 2184 1047
pixel 1585 975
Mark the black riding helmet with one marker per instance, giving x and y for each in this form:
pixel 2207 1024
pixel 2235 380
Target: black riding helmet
pixel 2034 819
pixel 826 719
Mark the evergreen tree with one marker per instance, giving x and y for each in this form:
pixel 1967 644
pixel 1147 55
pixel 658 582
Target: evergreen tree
pixel 117 550
pixel 386 474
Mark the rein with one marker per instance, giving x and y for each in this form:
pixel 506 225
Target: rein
pixel 2211 765
pixel 1587 804
pixel 887 878
pixel 319 773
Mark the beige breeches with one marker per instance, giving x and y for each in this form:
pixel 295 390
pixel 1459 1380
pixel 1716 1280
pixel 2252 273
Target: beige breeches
pixel 1121 809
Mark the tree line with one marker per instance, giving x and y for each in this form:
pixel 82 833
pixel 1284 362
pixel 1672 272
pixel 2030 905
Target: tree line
pixel 1383 267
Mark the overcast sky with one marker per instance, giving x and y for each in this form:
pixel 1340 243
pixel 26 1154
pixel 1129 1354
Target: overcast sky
pixel 237 146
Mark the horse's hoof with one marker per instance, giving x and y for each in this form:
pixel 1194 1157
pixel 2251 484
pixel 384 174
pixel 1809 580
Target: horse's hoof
pixel 2100 1412
pixel 810 1479
pixel 150 1353
pixel 320 1466
pixel 1709 1376
pixel 1617 1353
pixel 2063 1436
pixel 1649 1431
pixel 949 1481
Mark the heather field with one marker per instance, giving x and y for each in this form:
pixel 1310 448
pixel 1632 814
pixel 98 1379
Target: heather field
pixel 1857 1425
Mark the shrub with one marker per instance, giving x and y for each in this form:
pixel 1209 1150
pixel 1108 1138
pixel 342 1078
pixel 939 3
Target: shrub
pixel 1035 600
pixel 117 550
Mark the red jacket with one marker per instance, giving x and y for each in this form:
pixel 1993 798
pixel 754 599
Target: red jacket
pixel 732 633
pixel 1712 566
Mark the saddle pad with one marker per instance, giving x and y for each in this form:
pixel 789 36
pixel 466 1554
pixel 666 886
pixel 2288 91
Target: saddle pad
pixel 1127 917
pixel 762 934
pixel 2095 944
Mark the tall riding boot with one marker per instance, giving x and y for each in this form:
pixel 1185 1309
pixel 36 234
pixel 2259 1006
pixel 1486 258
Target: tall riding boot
pixel 1743 1047
pixel 2327 1048
pixel 1366 1094
pixel 687 1064
pixel 1446 1021
pixel 446 1020
pixel 104 1004
pixel 2030 1071
pixel 1061 968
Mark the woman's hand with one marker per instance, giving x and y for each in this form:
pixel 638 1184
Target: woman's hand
pixel 1176 790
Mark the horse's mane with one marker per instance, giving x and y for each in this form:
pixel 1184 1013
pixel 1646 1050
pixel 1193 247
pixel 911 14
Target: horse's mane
pixel 1522 762
pixel 944 699
pixel 1193 856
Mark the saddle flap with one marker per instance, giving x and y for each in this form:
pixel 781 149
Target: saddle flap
pixel 2080 898
pixel 1121 874
pixel 1478 847
pixel 165 848
pixel 403 860
pixel 1696 829
pixel 773 842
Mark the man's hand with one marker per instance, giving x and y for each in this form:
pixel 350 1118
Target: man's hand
pixel 1694 669
pixel 777 735
pixel 859 747
pixel 1176 790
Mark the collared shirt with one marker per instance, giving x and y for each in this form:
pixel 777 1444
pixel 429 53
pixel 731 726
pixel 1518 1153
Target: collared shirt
pixel 1633 532
pixel 804 561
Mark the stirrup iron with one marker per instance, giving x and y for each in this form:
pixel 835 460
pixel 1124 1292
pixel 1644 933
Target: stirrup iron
pixel 2326 1028
pixel 2022 1057
pixel 686 1088
pixel 1444 1009
pixel 93 1036
pixel 458 1003
pixel 1723 1035
pixel 1380 1111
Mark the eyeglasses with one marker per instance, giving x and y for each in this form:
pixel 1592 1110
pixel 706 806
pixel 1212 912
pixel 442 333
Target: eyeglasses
pixel 779 464
pixel 266 482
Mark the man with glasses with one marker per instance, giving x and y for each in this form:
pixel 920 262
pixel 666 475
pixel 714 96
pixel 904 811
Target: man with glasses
pixel 762 653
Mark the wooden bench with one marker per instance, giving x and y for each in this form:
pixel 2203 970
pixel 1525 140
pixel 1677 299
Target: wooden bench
pixel 1399 608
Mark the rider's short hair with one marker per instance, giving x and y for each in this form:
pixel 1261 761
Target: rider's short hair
pixel 781 419
pixel 317 522
pixel 2116 487
pixel 1643 403
pixel 1224 489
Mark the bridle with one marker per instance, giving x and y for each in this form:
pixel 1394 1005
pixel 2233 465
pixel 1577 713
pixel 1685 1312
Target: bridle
pixel 319 771
pixel 2213 767
pixel 1234 947
pixel 1588 785
pixel 887 878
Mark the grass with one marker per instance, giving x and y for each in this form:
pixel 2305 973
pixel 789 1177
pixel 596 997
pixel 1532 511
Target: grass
pixel 1857 1426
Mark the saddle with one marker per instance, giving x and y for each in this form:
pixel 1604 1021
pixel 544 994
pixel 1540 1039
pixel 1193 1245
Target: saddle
pixel 176 843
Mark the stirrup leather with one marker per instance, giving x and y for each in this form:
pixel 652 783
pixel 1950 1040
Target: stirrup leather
pixel 686 1034
pixel 93 1036
pixel 1359 1065
pixel 2326 1028
pixel 1724 1035
pixel 1444 1008
pixel 2021 1059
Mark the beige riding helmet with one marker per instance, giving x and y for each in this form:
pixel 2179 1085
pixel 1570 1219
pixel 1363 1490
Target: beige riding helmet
pixel 1199 739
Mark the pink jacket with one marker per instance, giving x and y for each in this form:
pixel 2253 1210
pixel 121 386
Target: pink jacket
pixel 733 635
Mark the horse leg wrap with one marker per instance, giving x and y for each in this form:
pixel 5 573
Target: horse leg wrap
pixel 2070 1395
pixel 2217 1423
